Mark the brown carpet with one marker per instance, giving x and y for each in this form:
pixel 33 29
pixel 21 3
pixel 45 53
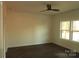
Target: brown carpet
pixel 49 50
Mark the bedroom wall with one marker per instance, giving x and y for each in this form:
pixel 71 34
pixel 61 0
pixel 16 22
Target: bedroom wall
pixel 71 15
pixel 1 32
pixel 23 28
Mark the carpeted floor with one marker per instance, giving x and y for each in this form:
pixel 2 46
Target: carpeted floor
pixel 49 50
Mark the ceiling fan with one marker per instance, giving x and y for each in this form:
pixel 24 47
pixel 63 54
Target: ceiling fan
pixel 50 9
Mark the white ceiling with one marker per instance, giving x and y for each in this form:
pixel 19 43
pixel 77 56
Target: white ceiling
pixel 36 7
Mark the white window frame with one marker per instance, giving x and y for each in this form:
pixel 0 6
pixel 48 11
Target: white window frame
pixel 70 30
pixel 74 30
pixel 63 30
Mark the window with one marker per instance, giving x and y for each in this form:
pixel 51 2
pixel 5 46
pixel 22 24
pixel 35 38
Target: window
pixel 65 29
pixel 69 30
pixel 76 30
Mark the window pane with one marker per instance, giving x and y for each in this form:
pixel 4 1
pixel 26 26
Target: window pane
pixel 76 36
pixel 65 34
pixel 76 25
pixel 65 25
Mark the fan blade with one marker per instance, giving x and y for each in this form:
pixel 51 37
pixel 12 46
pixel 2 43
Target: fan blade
pixel 55 9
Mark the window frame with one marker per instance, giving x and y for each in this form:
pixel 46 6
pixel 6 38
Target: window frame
pixel 74 30
pixel 70 30
pixel 63 30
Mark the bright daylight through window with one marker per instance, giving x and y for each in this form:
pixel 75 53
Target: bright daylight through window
pixel 69 30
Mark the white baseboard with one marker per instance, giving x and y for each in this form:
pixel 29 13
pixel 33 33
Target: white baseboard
pixel 25 45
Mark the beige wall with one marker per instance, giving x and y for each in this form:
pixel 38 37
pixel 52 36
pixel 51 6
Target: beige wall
pixel 1 32
pixel 23 28
pixel 71 15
